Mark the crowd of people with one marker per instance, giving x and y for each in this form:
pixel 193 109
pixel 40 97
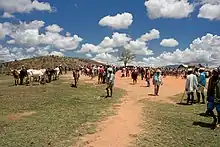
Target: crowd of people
pixel 196 83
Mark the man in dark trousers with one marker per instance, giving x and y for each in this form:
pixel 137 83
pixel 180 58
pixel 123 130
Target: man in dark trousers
pixel 23 74
pixel 213 95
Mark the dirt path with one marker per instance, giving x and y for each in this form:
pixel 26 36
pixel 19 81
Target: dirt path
pixel 119 130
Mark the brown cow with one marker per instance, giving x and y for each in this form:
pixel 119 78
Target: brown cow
pixel 76 76
pixel 16 75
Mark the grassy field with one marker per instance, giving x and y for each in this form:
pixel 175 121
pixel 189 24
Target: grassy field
pixel 50 115
pixel 168 125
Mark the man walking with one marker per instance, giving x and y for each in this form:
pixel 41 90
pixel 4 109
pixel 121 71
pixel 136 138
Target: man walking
pixel 191 86
pixel 110 82
pixel 201 86
pixel 213 95
pixel 147 77
pixel 157 81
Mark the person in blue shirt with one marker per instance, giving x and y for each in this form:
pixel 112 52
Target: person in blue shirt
pixel 202 85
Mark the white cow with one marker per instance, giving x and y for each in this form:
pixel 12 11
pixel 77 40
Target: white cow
pixel 57 73
pixel 33 73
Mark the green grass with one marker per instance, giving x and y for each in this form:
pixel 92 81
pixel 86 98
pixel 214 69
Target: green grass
pixel 168 125
pixel 62 113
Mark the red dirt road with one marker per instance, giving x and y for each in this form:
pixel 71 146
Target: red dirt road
pixel 120 130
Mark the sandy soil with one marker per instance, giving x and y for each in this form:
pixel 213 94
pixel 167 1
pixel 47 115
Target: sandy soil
pixel 120 130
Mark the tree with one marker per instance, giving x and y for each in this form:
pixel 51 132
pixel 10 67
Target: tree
pixel 126 56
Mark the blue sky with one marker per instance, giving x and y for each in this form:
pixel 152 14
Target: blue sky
pixel 81 17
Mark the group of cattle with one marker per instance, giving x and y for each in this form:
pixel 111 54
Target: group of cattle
pixel 31 75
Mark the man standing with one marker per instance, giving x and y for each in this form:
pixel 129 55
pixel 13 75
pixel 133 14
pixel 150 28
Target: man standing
pixel 157 81
pixel 213 95
pixel 23 74
pixel 110 82
pixel 201 86
pixel 100 74
pixel 147 77
pixel 191 86
pixel 142 73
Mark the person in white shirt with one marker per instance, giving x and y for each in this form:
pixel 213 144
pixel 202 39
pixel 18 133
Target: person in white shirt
pixel 110 83
pixel 191 86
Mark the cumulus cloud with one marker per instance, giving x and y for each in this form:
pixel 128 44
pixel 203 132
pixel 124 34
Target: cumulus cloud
pixel 117 40
pixel 108 45
pixel 56 53
pixel 119 21
pixel 95 49
pixel 24 6
pixel 168 8
pixel 89 48
pixel 169 42
pixel 7 15
pixel 106 58
pixel 204 50
pixel 138 48
pixel 3 31
pixel 89 55
pixel 28 34
pixel 210 11
pixel 11 41
pixel 54 28
pixel 18 53
pixel 154 34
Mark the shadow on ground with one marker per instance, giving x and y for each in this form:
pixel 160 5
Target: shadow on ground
pixel 204 125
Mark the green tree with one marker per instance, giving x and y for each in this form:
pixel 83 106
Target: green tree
pixel 126 57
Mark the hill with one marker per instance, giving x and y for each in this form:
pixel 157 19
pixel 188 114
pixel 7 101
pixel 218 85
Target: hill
pixel 48 62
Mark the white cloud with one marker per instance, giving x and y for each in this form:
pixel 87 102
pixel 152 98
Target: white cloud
pixel 95 49
pixel 169 42
pixel 119 21
pixel 7 15
pixel 210 11
pixel 168 8
pixel 2 31
pixel 28 34
pixel 154 34
pixel 56 53
pixel 89 48
pixel 8 54
pixel 68 34
pixel 11 41
pixel 138 48
pixel 24 6
pixel 108 45
pixel 117 40
pixel 89 55
pixel 106 58
pixel 54 28
pixel 205 50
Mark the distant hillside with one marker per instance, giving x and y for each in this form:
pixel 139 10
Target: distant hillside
pixel 49 62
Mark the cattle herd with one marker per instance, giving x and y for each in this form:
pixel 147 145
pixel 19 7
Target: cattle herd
pixel 28 76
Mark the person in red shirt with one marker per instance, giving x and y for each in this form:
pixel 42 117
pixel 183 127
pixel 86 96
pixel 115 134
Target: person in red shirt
pixel 100 75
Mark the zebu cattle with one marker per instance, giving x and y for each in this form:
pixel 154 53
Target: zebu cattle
pixel 16 74
pixel 76 76
pixel 38 74
pixel 57 72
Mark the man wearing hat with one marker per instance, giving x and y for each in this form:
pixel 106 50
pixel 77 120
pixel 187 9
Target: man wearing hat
pixel 157 81
pixel 191 86
pixel 23 74
pixel 110 82
pixel 213 96
pixel 201 86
